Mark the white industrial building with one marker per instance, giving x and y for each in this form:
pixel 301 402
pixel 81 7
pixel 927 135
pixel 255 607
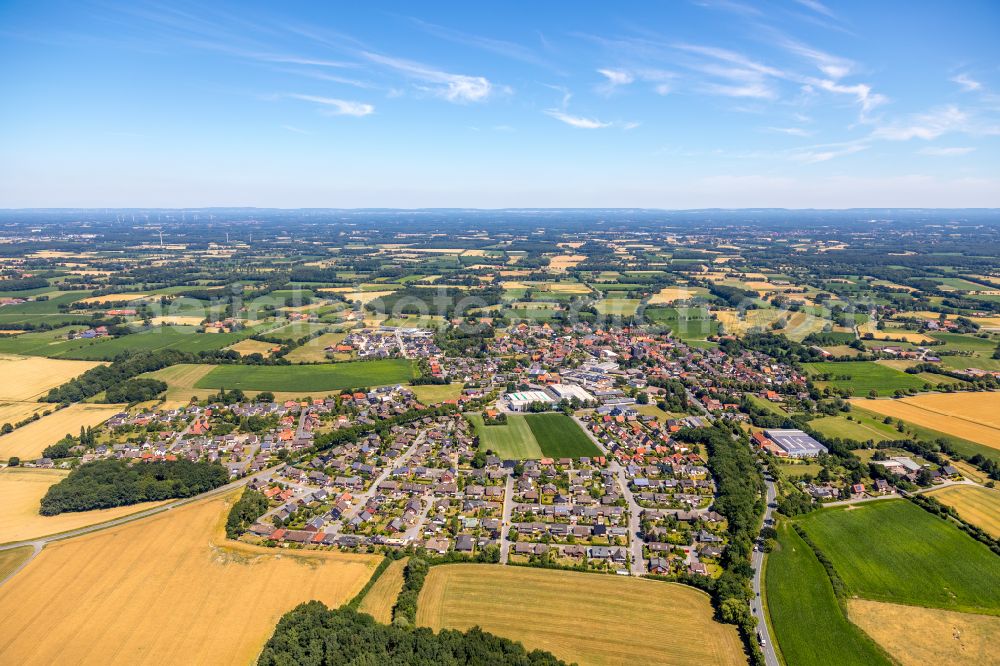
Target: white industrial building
pixel 570 391
pixel 521 400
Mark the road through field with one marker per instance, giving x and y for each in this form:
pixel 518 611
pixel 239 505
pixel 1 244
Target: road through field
pixel 757 602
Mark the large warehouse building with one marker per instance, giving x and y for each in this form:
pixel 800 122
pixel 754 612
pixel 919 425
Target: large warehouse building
pixel 795 443
pixel 521 400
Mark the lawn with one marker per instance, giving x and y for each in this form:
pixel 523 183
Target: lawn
pixel 580 617
pixel 559 436
pixel 309 378
pixel 860 428
pixel 513 440
pixel 862 377
pixel 808 623
pixel 895 551
pixel 435 393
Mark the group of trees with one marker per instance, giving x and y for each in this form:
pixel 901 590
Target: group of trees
pixel 251 505
pixel 740 499
pixel 103 484
pixel 313 635
pixel 135 390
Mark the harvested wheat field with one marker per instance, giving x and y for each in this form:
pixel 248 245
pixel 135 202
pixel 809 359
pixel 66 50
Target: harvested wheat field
pixel 22 490
pixel 671 295
pixel 382 596
pixel 581 617
pixel 13 558
pixel 114 298
pixel 26 378
pixel 12 412
pixel 247 347
pixel 562 262
pixel 177 320
pixel 980 506
pixel 918 636
pixel 972 416
pixel 163 590
pixel 29 441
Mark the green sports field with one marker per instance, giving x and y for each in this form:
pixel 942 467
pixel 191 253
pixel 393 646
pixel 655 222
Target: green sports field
pixel 863 376
pixel 895 551
pixel 533 436
pixel 808 623
pixel 559 436
pixel 309 378
pixel 513 440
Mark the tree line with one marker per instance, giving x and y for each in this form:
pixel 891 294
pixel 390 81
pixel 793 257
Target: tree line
pixel 313 635
pixel 103 484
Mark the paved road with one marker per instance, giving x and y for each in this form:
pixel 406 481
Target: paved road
pixel 362 499
pixel 757 559
pixel 508 507
pixel 638 562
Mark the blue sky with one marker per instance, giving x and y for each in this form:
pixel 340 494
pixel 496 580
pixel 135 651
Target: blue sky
pixel 679 104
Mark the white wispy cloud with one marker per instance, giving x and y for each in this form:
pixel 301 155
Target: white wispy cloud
pixel 816 154
pixel 791 131
pixel 926 126
pixel 833 66
pixel 452 87
pixel 967 83
pixel 337 107
pixel 862 92
pixel 956 151
pixel 498 46
pixel 817 7
pixel 577 121
pixel 617 77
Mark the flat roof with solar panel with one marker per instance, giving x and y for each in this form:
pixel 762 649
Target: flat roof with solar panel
pixel 796 443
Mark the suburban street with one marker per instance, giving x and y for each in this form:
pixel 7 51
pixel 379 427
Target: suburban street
pixel 508 506
pixel 757 559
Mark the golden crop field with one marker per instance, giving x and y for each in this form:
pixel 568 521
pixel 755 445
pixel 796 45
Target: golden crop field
pixel 177 320
pixel 980 506
pixel 312 351
pixel 562 262
pixel 972 416
pixel 22 489
pixel 907 336
pixel 587 618
pixel 26 378
pixel 12 412
pixel 917 636
pixel 737 323
pixel 114 298
pixel 246 347
pixel 434 393
pixel 382 596
pixel 671 295
pixel 164 590
pixel 29 441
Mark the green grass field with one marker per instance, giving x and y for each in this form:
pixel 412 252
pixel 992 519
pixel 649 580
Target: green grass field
pixel 559 436
pixel 861 428
pixel 309 378
pixel 808 623
pixel 861 377
pixel 54 344
pixel 895 551
pixel 509 441
pixel 685 324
